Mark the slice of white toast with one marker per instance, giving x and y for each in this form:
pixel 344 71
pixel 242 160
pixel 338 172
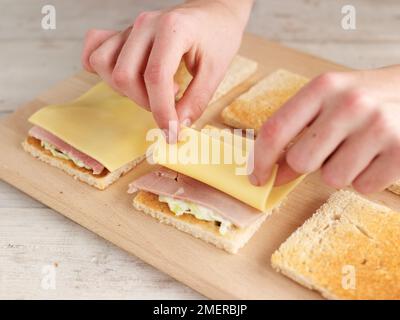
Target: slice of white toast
pixel 239 70
pixel 349 249
pixel 254 107
pixel 207 231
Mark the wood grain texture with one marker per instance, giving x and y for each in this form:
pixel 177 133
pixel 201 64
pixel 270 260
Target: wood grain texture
pixel 32 59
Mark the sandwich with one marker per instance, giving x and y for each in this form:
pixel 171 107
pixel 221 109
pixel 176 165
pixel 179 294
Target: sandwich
pixel 52 150
pixel 100 136
pixel 347 250
pixel 208 200
pixel 95 138
pixel 196 208
pixel 251 109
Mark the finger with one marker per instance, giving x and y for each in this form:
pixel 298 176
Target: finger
pixel 285 173
pixel 345 116
pixel 176 88
pixel 381 173
pixel 284 126
pixel 198 94
pixel 353 157
pixel 93 39
pixel 103 59
pixel 164 59
pixel 131 63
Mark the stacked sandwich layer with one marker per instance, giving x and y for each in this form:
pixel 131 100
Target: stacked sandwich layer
pixel 196 208
pixel 193 195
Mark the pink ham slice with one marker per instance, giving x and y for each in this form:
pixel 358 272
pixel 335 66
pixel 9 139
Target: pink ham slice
pixel 169 183
pixel 43 135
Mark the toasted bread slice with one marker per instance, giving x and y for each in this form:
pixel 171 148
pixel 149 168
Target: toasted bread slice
pixel 347 250
pixel 254 107
pixel 395 188
pixel 100 181
pixel 240 69
pixel 208 231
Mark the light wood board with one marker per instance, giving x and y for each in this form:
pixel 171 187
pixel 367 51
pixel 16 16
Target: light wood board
pixel 212 272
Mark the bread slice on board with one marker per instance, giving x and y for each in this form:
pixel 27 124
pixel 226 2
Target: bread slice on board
pixel 101 181
pixel 349 249
pixel 208 231
pixel 395 188
pixel 240 70
pixel 254 107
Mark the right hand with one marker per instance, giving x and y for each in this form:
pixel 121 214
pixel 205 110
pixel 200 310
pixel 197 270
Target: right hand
pixel 350 130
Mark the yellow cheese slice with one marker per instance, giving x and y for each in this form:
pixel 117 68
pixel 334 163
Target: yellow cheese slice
pixel 188 157
pixel 102 124
pixel 278 193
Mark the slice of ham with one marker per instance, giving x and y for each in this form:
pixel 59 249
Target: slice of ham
pixel 169 183
pixel 43 135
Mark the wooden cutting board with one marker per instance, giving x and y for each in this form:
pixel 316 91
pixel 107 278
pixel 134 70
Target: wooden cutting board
pixel 212 272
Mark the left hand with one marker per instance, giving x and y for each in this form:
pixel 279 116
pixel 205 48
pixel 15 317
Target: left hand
pixel 141 61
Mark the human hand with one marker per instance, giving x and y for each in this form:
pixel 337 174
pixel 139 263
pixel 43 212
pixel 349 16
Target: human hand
pixel 350 128
pixel 141 61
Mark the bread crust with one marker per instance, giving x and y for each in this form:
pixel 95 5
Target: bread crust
pixel 239 70
pixel 208 231
pixel 100 181
pixel 348 231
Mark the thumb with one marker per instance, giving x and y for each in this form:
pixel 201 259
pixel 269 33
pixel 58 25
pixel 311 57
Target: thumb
pixel 197 96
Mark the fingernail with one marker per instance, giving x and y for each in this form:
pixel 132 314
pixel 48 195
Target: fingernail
pixel 253 179
pixel 186 122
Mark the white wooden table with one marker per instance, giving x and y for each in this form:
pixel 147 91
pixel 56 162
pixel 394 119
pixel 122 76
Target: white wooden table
pixel 31 59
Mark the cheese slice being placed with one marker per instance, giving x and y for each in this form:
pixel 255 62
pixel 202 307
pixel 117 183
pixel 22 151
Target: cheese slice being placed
pixel 102 124
pixel 211 160
pixel 278 193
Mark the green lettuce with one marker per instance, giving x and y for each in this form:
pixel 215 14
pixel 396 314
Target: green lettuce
pixel 180 207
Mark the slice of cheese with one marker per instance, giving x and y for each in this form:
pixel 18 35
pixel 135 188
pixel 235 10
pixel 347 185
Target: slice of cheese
pixel 189 157
pixel 102 124
pixel 111 128
pixel 278 193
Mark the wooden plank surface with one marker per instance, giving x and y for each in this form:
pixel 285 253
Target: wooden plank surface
pixel 109 214
pixel 32 59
